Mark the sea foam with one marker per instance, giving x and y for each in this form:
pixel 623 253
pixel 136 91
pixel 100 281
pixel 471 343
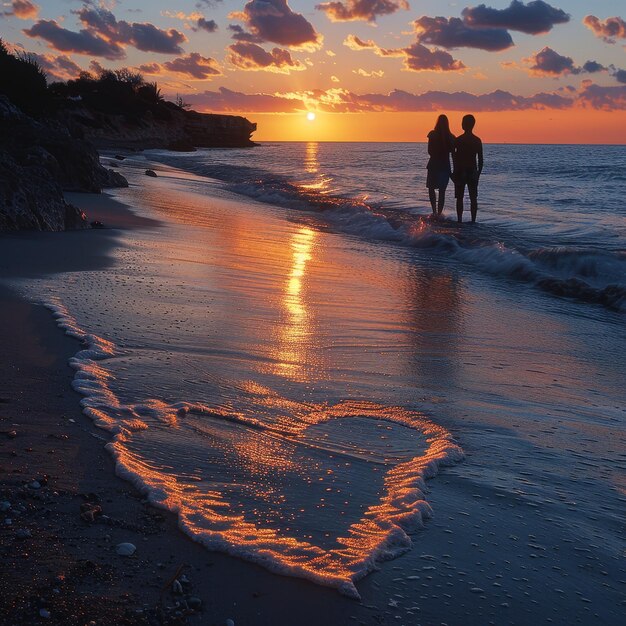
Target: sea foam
pixel 382 532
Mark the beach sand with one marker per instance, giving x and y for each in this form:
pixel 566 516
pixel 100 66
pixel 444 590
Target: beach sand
pixel 67 566
pixel 489 555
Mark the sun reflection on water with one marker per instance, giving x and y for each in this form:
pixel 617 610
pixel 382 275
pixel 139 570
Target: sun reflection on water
pixel 294 336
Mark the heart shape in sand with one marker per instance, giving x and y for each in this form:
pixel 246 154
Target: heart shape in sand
pixel 381 532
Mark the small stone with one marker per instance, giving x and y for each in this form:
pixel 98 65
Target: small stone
pixel 35 484
pixel 12 434
pixel 44 613
pixel 5 505
pixel 194 603
pixel 177 588
pixel 230 622
pixel 8 521
pixel 23 533
pixel 125 549
pixel 151 173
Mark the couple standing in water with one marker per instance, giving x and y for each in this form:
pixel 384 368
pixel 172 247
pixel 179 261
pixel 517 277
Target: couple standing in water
pixel 467 157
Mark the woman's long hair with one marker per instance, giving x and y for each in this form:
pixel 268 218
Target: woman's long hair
pixel 442 131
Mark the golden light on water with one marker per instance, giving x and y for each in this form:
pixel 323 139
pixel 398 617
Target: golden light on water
pixel 294 335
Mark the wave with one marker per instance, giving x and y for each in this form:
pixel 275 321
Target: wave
pixel 206 515
pixel 581 274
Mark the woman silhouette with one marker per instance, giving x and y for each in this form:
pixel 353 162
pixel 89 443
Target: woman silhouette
pixel 440 145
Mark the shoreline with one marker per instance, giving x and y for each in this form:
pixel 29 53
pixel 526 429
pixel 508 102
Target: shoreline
pixel 60 562
pixel 502 553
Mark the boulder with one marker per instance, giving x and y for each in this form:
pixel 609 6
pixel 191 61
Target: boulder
pixel 39 160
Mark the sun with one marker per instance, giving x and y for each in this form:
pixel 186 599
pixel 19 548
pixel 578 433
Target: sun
pixel 310 116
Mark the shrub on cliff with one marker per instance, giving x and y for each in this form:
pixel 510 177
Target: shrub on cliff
pixel 23 80
pixel 117 92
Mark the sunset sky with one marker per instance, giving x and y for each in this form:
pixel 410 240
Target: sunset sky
pixel 370 69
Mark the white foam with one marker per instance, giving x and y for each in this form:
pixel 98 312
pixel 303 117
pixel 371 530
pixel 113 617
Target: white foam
pixel 381 534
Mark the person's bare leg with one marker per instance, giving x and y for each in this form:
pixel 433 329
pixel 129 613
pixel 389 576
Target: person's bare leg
pixel 474 208
pixel 433 199
pixel 442 201
pixel 459 209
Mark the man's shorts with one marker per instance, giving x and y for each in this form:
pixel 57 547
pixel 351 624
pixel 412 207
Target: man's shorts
pixel 463 178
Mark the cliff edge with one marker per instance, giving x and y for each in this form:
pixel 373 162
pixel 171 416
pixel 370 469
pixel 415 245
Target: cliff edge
pixel 38 161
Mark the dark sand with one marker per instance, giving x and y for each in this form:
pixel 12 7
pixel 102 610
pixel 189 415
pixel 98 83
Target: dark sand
pixel 53 560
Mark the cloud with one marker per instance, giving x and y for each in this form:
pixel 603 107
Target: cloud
pixel 209 25
pixel 239 34
pixel 417 57
pixel 365 10
pixel 142 35
pixel 104 36
pixel 227 100
pixel 609 30
pixel 603 98
pixel 533 18
pixel 57 67
pixel 592 67
pixel 23 10
pixel 356 43
pixel 150 68
pixel 620 76
pixel 194 65
pixel 366 74
pixel 82 42
pixel 252 57
pixel 193 21
pixel 454 33
pixel 273 20
pixel 548 62
pixel 339 100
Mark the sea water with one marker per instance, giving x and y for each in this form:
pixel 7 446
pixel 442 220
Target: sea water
pixel 298 347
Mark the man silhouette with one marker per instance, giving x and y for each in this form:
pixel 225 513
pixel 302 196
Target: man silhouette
pixel 468 165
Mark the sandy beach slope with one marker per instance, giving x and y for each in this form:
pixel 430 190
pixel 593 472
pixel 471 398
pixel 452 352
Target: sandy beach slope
pixel 509 542
pixel 54 562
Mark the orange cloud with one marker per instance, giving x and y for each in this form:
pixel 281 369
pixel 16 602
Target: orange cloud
pixel 23 9
pixel 417 57
pixel 338 100
pixel 363 10
pixel 274 21
pixel 610 29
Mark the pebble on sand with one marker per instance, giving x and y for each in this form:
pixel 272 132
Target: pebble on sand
pixel 151 173
pixel 125 549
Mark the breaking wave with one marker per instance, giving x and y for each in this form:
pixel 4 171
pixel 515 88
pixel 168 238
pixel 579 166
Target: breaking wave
pixel 584 274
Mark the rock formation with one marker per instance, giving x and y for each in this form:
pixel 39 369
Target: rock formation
pixel 181 131
pixel 38 161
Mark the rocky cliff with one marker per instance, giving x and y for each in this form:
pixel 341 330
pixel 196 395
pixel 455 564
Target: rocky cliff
pixel 38 161
pixel 182 130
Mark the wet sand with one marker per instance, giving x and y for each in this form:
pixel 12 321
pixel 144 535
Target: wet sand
pixel 53 462
pixel 489 555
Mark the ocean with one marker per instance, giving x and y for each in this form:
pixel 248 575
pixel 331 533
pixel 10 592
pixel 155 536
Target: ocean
pixel 292 356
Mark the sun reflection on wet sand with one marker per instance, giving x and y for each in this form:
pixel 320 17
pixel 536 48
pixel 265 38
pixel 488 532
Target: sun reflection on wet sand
pixel 294 335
